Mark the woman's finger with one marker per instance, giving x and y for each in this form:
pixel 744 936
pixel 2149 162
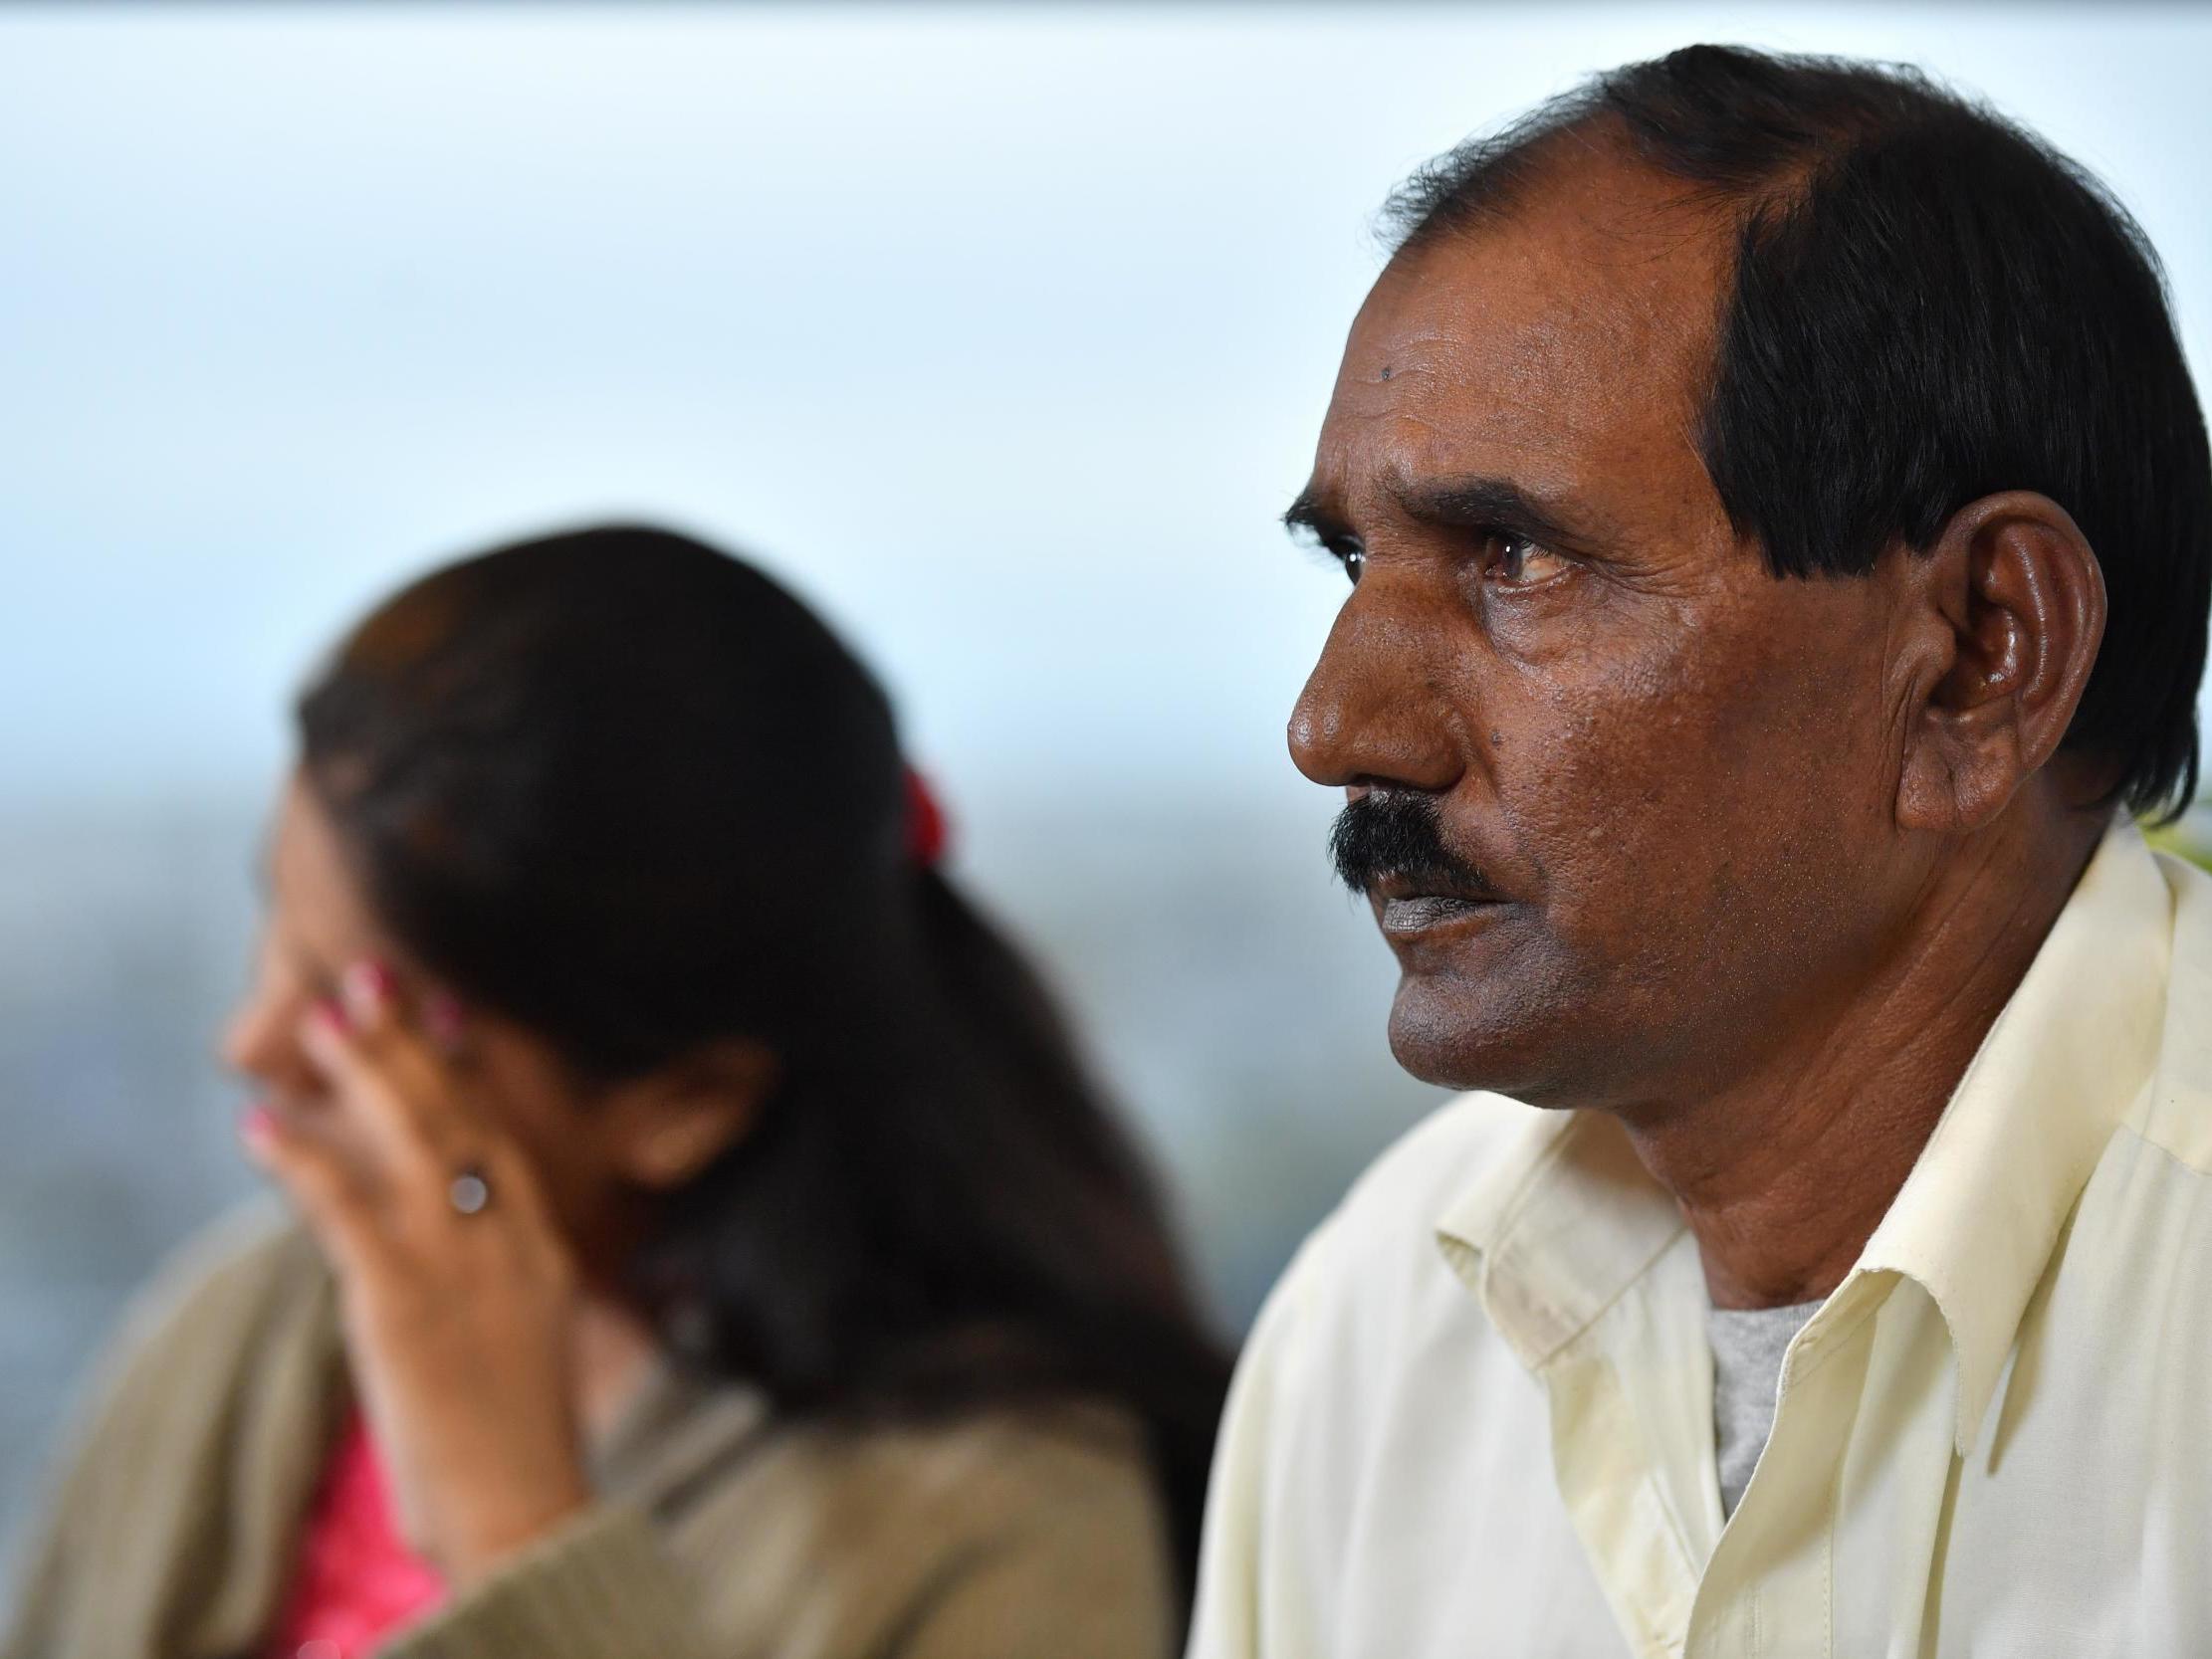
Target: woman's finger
pixel 402 1105
pixel 400 1086
pixel 333 1195
pixel 421 1041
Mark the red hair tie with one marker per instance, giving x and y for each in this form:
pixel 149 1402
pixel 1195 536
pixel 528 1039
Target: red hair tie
pixel 924 822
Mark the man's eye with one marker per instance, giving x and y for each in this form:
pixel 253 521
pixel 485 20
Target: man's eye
pixel 1353 559
pixel 1516 561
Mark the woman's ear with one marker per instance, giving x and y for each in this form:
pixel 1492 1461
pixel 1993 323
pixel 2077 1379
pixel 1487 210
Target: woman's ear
pixel 2011 603
pixel 659 1131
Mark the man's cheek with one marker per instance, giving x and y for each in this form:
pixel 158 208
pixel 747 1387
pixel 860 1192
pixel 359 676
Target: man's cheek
pixel 1625 828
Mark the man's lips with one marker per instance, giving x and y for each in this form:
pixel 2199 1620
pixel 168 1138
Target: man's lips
pixel 1413 904
pixel 1393 885
pixel 1419 916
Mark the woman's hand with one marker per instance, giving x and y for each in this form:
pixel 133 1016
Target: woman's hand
pixel 457 1326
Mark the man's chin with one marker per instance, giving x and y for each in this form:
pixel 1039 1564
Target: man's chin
pixel 1466 1036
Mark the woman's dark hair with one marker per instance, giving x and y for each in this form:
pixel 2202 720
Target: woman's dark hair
pixel 1929 306
pixel 627 791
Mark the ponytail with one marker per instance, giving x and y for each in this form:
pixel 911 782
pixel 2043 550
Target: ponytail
pixel 1127 1328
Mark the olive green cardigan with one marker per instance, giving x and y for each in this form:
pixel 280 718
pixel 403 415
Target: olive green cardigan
pixel 719 1534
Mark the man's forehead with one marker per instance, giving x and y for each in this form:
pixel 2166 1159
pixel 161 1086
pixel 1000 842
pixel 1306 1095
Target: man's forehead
pixel 1576 326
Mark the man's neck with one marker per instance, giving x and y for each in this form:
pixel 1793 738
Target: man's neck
pixel 1784 1173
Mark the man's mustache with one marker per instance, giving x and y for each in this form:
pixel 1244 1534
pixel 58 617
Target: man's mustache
pixel 1400 832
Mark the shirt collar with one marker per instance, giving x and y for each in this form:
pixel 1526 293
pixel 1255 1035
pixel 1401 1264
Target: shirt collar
pixel 1977 1219
pixel 1565 1219
pixel 1556 1227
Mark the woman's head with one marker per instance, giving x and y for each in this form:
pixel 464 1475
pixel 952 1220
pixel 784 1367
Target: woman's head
pixel 642 813
pixel 636 805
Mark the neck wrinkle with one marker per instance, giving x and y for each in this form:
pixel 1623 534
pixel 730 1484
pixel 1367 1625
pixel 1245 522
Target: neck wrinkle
pixel 1784 1175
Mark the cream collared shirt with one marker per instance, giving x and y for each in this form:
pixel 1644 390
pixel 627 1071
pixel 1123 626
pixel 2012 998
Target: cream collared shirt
pixel 1475 1417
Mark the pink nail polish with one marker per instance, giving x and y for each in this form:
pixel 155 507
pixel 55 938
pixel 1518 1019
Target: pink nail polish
pixel 256 1124
pixel 367 988
pixel 329 1011
pixel 444 1019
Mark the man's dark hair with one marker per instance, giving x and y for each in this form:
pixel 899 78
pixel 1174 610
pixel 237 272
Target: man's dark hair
pixel 1929 304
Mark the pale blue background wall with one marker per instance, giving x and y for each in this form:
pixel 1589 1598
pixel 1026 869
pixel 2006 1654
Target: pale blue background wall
pixel 1005 333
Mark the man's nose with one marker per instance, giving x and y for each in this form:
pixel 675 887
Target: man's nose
pixel 1373 711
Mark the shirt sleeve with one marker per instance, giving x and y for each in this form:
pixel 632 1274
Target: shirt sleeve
pixel 1078 1591
pixel 600 1586
pixel 93 1557
pixel 1085 1580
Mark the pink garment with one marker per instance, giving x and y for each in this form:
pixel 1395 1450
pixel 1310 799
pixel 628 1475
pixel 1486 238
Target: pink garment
pixel 353 1582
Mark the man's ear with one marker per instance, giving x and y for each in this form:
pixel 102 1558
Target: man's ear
pixel 659 1131
pixel 2011 604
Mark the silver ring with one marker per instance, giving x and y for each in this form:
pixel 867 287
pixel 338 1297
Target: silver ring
pixel 469 1192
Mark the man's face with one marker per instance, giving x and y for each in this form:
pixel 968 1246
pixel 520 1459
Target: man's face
pixel 1665 778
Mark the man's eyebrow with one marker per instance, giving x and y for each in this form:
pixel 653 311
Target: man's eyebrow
pixel 1477 501
pixel 1308 514
pixel 1489 503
